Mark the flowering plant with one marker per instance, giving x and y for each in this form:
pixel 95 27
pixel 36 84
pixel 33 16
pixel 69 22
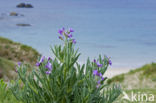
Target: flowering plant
pixel 63 80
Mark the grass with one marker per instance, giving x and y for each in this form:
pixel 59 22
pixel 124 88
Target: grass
pixel 146 72
pixel 140 80
pixel 7 68
pixel 118 78
pixel 17 52
pixel 148 69
pixel 13 52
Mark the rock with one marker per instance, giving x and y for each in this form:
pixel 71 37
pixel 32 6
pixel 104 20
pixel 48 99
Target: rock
pixel 23 25
pixel 28 6
pixel 23 5
pixel 13 14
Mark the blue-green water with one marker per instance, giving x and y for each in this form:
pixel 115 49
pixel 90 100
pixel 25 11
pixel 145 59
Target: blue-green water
pixel 125 30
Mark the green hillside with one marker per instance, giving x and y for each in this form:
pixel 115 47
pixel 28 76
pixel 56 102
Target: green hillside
pixel 144 77
pixel 6 68
pixel 141 80
pixel 17 52
pixel 13 52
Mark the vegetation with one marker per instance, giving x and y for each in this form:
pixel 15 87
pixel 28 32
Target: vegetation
pixel 63 80
pixel 11 53
pixel 148 71
pixel 7 69
pixel 17 52
pixel 145 76
pixel 6 95
pixel 118 78
pixel 141 80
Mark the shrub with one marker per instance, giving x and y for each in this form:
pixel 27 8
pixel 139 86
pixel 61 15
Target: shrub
pixel 63 80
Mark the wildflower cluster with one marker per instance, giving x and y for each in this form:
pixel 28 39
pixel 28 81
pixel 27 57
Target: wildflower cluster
pixel 48 65
pixel 41 60
pixel 97 72
pixel 67 34
pixel 62 79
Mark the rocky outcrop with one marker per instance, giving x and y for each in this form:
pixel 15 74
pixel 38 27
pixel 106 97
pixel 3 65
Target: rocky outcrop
pixel 24 5
pixel 28 6
pixel 13 14
pixel 23 25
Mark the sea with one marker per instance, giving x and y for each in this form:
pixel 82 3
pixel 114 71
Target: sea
pixel 124 30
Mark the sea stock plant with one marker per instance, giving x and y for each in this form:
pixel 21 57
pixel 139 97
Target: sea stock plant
pixel 3 90
pixel 6 94
pixel 63 80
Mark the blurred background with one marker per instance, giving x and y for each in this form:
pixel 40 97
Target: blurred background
pixel 122 29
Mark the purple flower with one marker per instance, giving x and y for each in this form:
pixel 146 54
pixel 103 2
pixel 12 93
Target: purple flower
pixel 71 30
pixel 16 70
pixel 37 64
pixel 98 64
pixel 98 85
pixel 95 72
pixel 48 72
pixel 74 41
pixel 49 66
pixel 94 61
pixel 102 78
pixel 49 58
pixel 99 82
pixel 19 64
pixel 99 74
pixel 60 37
pixel 70 35
pixel 41 60
pixel 109 62
pixel 60 31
